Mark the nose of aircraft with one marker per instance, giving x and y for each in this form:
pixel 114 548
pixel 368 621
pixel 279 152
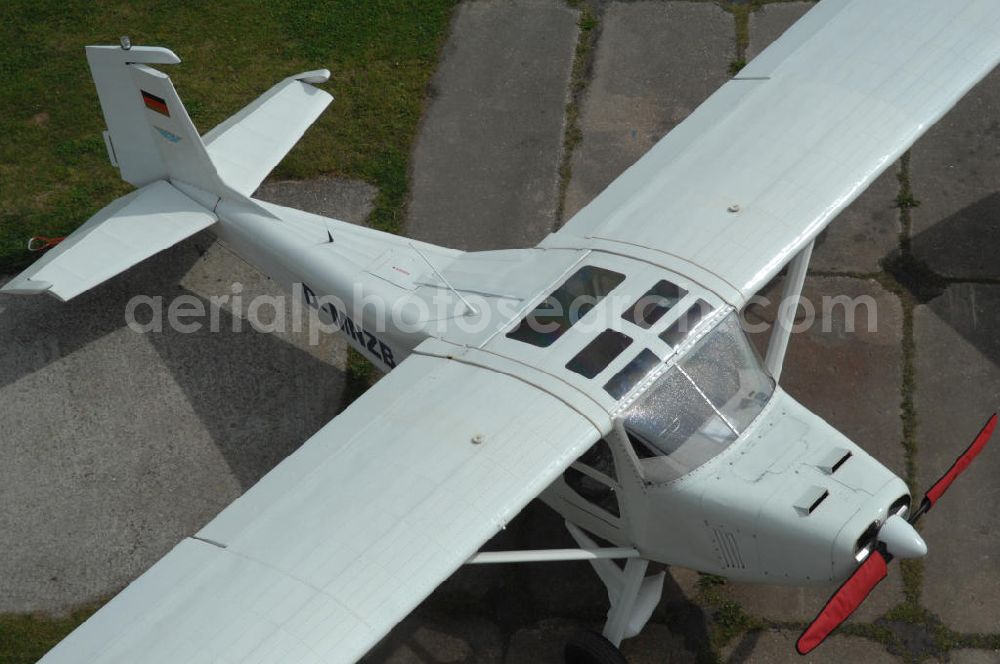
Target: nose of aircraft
pixel 901 539
pixel 898 538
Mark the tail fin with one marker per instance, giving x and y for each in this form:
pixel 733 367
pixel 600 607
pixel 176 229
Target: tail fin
pixel 151 137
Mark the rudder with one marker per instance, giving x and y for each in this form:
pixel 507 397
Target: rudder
pixel 150 136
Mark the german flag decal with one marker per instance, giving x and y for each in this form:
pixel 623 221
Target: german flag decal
pixel 155 103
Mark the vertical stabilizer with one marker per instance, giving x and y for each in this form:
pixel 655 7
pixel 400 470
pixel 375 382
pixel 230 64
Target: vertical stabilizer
pixel 150 136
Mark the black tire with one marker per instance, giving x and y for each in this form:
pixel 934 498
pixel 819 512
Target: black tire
pixel 587 647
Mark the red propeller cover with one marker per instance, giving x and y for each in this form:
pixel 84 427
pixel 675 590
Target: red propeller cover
pixel 843 603
pixel 962 462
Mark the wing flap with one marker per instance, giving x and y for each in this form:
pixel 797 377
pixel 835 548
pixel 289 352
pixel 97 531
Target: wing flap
pixel 758 170
pixel 342 539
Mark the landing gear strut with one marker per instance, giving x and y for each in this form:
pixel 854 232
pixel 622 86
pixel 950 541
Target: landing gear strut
pixel 633 597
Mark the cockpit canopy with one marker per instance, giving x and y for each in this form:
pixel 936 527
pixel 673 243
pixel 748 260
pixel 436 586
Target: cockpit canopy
pixel 700 405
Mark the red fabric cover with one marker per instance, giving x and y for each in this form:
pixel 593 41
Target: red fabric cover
pixel 963 461
pixel 843 603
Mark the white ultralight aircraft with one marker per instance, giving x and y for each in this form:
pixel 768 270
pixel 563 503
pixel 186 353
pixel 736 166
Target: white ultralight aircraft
pixel 645 418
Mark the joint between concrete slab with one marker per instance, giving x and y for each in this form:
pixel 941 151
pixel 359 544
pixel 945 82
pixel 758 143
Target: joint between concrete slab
pixel 589 26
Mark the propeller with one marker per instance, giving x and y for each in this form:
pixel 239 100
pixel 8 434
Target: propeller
pixel 897 538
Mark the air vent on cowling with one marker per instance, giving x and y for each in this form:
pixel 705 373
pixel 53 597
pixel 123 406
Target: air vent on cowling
pixel 811 499
pixel 727 547
pixel 834 459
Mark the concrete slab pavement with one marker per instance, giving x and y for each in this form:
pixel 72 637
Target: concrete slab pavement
pixel 958 387
pixel 340 198
pixel 114 445
pixel 779 646
pixel 770 21
pixel 484 171
pixel 655 63
pixel 955 174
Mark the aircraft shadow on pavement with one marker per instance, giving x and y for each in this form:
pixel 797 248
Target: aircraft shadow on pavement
pixel 488 605
pixel 257 395
pixel 964 243
pixel 36 331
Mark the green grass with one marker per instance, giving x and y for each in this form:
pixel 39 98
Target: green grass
pixel 25 638
pixel 54 171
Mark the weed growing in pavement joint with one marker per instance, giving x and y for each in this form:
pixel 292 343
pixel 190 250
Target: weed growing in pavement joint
pixel 579 79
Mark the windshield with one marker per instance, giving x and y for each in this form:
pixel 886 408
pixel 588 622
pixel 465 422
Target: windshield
pixel 699 406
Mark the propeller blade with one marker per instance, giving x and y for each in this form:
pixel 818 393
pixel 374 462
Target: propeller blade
pixel 843 603
pixel 961 463
pixel 893 534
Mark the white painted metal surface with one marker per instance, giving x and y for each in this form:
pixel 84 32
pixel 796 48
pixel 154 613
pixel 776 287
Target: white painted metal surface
pixel 247 146
pixel 334 546
pixel 342 539
pixel 784 321
pixel 552 555
pixel 128 231
pixel 129 137
pixel 796 136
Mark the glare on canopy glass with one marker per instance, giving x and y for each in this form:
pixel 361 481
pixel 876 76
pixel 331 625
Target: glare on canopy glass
pixel 689 320
pixel 700 405
pixel 631 374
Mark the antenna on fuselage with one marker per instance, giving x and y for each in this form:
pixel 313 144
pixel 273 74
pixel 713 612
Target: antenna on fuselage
pixel 468 305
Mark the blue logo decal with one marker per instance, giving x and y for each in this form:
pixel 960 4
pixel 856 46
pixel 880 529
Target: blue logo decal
pixel 173 138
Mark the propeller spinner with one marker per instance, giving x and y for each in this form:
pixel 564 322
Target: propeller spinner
pixel 897 538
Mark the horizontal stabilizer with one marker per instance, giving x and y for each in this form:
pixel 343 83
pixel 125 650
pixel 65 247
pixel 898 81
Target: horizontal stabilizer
pixel 126 232
pixel 247 146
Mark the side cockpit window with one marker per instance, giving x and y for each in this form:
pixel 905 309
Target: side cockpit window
pixel 565 306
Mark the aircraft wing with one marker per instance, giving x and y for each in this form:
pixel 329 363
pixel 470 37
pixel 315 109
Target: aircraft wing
pixel 341 540
pixel 759 169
